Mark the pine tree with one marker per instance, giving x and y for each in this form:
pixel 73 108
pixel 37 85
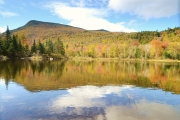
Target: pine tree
pixel 1 46
pixel 20 47
pixel 33 48
pixel 11 52
pixel 7 41
pixel 15 43
pixel 60 47
pixel 57 47
pixel 41 48
pixel 26 50
pixel 50 47
pixel 8 34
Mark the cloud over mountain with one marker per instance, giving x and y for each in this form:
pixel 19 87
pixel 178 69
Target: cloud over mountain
pixel 83 16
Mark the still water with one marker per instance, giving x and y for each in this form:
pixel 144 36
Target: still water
pixel 89 90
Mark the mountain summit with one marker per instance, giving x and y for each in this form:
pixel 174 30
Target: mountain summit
pixel 39 30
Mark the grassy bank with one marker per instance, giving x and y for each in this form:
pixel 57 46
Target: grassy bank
pixel 118 59
pixel 3 57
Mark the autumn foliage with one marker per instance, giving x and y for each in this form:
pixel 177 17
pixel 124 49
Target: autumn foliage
pixel 97 44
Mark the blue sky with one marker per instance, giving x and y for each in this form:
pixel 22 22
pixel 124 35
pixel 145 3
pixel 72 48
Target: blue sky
pixel 112 15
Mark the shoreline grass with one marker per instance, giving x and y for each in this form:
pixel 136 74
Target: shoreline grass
pixel 118 59
pixel 3 57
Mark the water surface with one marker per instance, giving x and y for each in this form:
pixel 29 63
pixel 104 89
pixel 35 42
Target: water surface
pixel 97 90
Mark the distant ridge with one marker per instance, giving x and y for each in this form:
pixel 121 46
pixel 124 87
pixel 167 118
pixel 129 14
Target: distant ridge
pixel 41 23
pixel 42 31
pixel 35 22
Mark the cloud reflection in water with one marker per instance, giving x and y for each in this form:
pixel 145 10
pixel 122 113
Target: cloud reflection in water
pixel 101 103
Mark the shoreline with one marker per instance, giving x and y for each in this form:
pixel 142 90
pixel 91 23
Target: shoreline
pixel 118 59
pixel 3 57
pixel 99 59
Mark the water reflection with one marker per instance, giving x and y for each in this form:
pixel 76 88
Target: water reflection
pixel 93 90
pixel 54 75
pixel 113 103
pixel 90 102
pixel 86 96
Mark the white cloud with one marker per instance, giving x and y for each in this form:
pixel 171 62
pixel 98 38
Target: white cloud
pixel 146 8
pixel 72 13
pixel 7 14
pixel 85 17
pixel 99 23
pixel 2 29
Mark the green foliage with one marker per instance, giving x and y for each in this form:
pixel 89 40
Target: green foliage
pixel 138 53
pixel 7 41
pixel 59 47
pixel 8 35
pixel 34 47
pixel 49 47
pixel 166 54
pixel 15 43
pixel 41 48
pixel 79 42
pixel 1 46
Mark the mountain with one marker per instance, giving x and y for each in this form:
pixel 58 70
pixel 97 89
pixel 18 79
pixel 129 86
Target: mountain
pixel 91 43
pixel 39 30
pixel 35 23
pixel 42 31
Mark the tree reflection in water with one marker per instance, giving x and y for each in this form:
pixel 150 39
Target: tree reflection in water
pixel 107 90
pixel 46 75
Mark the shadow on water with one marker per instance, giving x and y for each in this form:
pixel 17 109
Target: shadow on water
pixel 54 75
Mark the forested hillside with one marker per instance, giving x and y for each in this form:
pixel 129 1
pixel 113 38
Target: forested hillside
pixel 63 40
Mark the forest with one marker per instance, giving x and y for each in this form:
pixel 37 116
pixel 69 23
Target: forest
pixel 94 44
pixel 13 46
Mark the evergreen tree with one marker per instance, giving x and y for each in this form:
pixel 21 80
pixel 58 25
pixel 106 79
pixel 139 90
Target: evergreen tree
pixel 8 35
pixel 60 47
pixel 50 47
pixel 26 50
pixel 11 51
pixel 15 43
pixel 7 41
pixel 1 46
pixel 33 48
pixel 57 47
pixel 20 48
pixel 41 48
pixel 13 47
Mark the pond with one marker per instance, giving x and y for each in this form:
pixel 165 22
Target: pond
pixel 89 90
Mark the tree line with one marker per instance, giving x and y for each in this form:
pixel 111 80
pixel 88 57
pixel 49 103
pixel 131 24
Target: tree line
pixel 155 49
pixel 141 45
pixel 13 46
